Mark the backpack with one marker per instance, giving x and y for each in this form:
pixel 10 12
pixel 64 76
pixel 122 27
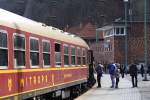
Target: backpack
pixel 112 69
pixel 99 69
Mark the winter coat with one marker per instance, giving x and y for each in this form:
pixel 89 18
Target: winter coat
pixel 99 70
pixel 133 69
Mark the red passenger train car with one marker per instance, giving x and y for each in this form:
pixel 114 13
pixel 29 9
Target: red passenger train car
pixel 36 59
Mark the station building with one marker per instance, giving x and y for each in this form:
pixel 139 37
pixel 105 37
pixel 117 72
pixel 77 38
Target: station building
pixel 110 44
pixel 114 42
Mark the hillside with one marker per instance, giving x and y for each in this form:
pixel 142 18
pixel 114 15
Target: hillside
pixel 67 13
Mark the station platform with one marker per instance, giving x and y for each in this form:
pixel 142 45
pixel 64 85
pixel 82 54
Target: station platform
pixel 124 92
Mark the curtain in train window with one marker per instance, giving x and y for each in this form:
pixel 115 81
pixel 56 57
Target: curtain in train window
pixel 57 54
pixel 66 55
pixel 73 56
pixel 34 52
pixel 3 50
pixel 46 53
pixel 19 50
pixel 79 56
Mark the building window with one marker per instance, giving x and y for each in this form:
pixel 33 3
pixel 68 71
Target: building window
pixel 57 54
pixel 19 50
pixel 117 30
pixel 120 31
pixel 84 57
pixel 79 56
pixel 34 52
pixel 46 53
pixel 66 55
pixel 73 56
pixel 3 50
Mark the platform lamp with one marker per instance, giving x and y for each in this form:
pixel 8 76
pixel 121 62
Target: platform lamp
pixel 126 46
pixel 145 41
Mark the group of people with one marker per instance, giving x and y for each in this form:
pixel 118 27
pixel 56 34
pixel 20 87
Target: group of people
pixel 115 71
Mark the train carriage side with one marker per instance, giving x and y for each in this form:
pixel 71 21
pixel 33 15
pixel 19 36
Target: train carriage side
pixel 36 59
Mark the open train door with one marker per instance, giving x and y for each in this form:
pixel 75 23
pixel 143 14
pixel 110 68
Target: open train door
pixel 90 59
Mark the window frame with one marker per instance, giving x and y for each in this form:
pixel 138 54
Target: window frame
pixel 21 35
pixel 66 45
pixel 84 50
pixel 46 66
pixel 119 30
pixel 36 38
pixel 78 48
pixel 4 48
pixel 73 55
pixel 60 55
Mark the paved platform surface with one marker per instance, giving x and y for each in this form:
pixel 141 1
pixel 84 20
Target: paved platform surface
pixel 124 92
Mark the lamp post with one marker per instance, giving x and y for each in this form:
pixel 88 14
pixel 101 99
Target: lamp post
pixel 126 46
pixel 145 40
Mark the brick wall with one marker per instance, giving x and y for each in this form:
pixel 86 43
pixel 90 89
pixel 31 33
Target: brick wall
pixel 109 50
pixel 136 42
pixel 119 48
pixel 98 51
pixel 135 45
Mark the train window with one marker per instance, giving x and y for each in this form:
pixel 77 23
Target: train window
pixel 66 55
pixel 46 53
pixel 57 54
pixel 3 50
pixel 19 50
pixel 79 56
pixel 73 56
pixel 84 57
pixel 34 52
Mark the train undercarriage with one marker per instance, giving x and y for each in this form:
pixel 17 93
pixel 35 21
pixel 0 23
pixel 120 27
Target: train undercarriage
pixel 68 93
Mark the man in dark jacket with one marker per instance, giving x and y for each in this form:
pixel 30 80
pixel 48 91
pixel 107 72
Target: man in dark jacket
pixel 99 74
pixel 133 73
pixel 142 70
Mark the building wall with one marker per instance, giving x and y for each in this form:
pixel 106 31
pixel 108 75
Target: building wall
pixel 109 50
pixel 119 48
pixel 98 52
pixel 135 45
pixel 136 42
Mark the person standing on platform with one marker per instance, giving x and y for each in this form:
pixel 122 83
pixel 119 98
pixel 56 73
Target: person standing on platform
pixel 133 73
pixel 99 72
pixel 112 70
pixel 149 69
pixel 117 74
pixel 142 70
pixel 122 70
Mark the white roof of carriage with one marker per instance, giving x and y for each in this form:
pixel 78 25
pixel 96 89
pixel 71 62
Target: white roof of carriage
pixel 18 22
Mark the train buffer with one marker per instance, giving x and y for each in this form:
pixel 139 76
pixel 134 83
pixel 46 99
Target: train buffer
pixel 124 92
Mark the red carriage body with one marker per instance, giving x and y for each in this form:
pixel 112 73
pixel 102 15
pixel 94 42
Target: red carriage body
pixel 28 71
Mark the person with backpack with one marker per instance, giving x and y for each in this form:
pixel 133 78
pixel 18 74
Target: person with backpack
pixel 99 72
pixel 112 70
